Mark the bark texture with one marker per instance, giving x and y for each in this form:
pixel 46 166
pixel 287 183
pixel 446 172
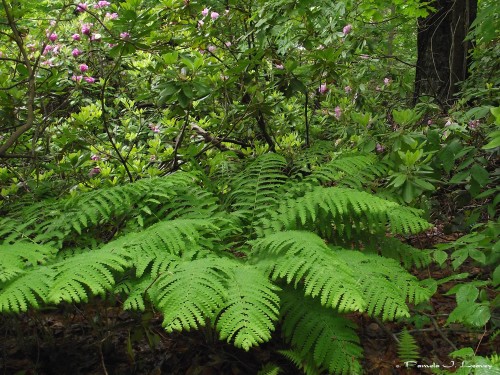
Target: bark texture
pixel 443 53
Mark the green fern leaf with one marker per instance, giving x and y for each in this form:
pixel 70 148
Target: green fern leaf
pixel 26 290
pixel 407 347
pixel 21 255
pixel 251 308
pixel 190 293
pixel 302 362
pixel 314 329
pixel 348 210
pixel 84 274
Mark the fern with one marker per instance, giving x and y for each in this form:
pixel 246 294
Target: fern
pixel 342 211
pixel 344 279
pixel 270 369
pixel 407 347
pixel 254 190
pixel 28 289
pixel 330 338
pixel 349 170
pixel 190 293
pixel 301 361
pixel 21 255
pixel 81 275
pixel 251 308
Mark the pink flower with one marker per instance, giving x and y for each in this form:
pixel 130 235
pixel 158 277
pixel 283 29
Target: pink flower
pixel 347 89
pixel 95 157
pixel 200 23
pixel 214 15
pixel 76 52
pixel 212 49
pixel 94 171
pixel 223 77
pixel 347 29
pixel 76 78
pixel 154 128
pixel 338 112
pixel 387 81
pixel 448 123
pixel 125 35
pixel 279 66
pixel 53 23
pixel 364 57
pixel 429 122
pixel 102 4
pixel 76 36
pixel 473 124
pixel 47 49
pixel 379 148
pixel 86 28
pixel 204 12
pixel 111 16
pixel 89 79
pixel 228 44
pixel 82 7
pixel 95 37
pixel 55 51
pixel 53 37
pixel 84 67
pixel 322 88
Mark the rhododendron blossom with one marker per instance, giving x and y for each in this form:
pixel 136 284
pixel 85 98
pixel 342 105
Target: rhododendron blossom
pixel 204 12
pixel 89 79
pixel 94 171
pixel 86 28
pixel 75 36
pixel 228 44
pixel 82 7
pixel 338 112
pixel 95 157
pixel 322 88
pixel 212 49
pixel 124 35
pixel 214 15
pixel 47 49
pixel 279 66
pixel 83 67
pixel 76 78
pixel 387 81
pixel 102 4
pixel 347 89
pixel 53 37
pixel 347 29
pixel 111 16
pixel 379 148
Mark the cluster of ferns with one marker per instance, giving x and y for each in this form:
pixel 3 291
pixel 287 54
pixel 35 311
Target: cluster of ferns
pixel 269 243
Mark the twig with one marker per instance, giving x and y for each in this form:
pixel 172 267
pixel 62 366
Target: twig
pixel 386 330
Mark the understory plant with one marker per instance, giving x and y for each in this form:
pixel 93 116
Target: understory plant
pixel 302 245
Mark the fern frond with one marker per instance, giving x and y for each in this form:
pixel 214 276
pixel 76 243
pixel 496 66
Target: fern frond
pixel 190 293
pixel 407 347
pixel 385 285
pixel 343 211
pixel 254 190
pixel 352 170
pixel 311 328
pixel 269 369
pixel 347 280
pixel 21 255
pixel 302 362
pixel 409 256
pixel 84 274
pixel 28 289
pixel 250 310
pixel 301 256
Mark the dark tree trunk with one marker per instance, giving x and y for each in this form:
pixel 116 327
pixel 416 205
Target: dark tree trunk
pixel 442 51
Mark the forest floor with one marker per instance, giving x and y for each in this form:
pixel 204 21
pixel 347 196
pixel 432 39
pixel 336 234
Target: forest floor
pixel 97 339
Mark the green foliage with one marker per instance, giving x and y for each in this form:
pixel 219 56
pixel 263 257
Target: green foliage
pixel 329 338
pixel 407 347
